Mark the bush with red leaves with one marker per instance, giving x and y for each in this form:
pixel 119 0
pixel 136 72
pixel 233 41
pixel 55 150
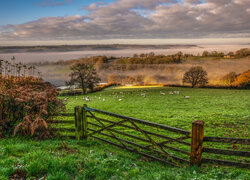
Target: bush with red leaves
pixel 26 103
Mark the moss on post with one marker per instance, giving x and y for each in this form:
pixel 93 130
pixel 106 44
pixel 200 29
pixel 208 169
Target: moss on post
pixel 78 122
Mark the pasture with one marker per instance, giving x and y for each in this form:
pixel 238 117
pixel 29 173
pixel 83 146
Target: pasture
pixel 225 112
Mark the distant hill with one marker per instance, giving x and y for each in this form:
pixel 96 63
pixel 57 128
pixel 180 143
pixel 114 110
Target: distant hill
pixel 67 48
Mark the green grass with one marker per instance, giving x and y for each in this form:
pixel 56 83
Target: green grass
pixel 225 112
pixel 70 159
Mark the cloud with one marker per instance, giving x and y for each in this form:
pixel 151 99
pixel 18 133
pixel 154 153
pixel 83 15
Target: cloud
pixel 144 19
pixel 51 3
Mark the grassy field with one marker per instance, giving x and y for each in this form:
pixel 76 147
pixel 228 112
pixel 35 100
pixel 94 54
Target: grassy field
pixel 225 112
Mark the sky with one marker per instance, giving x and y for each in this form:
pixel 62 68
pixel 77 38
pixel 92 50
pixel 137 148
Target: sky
pixel 41 22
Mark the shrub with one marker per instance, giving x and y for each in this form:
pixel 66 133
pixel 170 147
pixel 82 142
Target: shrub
pixel 25 105
pixel 243 80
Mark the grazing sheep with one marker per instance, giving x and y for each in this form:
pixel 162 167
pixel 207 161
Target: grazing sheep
pixel 104 99
pixel 120 99
pixel 99 98
pixel 186 97
pixel 87 99
pixel 171 92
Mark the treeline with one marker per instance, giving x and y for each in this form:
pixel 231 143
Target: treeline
pixel 245 52
pixel 123 63
pixel 144 58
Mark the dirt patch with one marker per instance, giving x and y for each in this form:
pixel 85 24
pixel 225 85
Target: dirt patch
pixel 18 174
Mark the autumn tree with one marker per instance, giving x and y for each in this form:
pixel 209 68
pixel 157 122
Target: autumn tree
pixel 243 80
pixel 83 76
pixel 229 78
pixel 196 76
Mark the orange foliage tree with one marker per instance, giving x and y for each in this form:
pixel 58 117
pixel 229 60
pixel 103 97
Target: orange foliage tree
pixel 243 80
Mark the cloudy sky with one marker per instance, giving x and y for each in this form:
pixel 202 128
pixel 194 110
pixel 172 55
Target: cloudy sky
pixel 124 21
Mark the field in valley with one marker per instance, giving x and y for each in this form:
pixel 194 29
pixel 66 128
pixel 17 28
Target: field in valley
pixel 225 112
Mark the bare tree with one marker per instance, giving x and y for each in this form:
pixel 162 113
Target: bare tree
pixel 196 76
pixel 83 76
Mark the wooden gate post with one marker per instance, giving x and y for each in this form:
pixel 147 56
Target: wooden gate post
pixel 81 122
pixel 78 122
pixel 85 123
pixel 197 142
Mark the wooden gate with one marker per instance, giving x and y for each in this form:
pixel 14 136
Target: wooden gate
pixel 163 143
pixel 152 140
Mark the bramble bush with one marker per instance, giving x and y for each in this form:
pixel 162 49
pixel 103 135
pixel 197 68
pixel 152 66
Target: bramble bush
pixel 26 103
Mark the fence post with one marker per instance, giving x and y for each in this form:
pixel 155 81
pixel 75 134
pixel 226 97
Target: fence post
pixel 84 122
pixel 78 122
pixel 197 142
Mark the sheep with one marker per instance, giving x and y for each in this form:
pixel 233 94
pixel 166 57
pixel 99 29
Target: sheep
pixel 87 99
pixel 186 97
pixel 104 99
pixel 120 99
pixel 176 92
pixel 65 99
pixel 171 92
pixel 162 93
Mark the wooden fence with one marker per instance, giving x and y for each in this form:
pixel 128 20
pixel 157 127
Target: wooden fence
pixel 163 143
